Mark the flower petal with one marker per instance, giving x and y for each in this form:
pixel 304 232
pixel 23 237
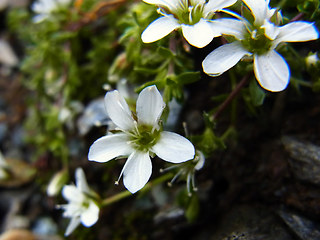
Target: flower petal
pixel 71 193
pixel 81 181
pixel 150 106
pixel 216 5
pixel 171 4
pixel 297 32
pixel 223 58
pixel 272 71
pixel 200 34
pixel 91 215
pixel 259 9
pixel 271 30
pixel 159 28
pixel 109 147
pixel 118 110
pixel 173 148
pixel 74 223
pixel 201 160
pixel 229 26
pixel 137 171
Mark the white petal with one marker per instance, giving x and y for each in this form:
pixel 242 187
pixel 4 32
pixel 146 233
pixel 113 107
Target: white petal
pixel 173 148
pixel 150 106
pixel 229 26
pixel 159 28
pixel 195 2
pixel 216 5
pixel 137 171
pixel 118 110
pixel 272 71
pixel 171 4
pixel 74 223
pixel 223 58
pixel 109 147
pixel 72 194
pixel 40 17
pixel 155 2
pixel 91 215
pixel 297 32
pixel 259 9
pixel 81 181
pixel 200 34
pixel 201 160
pixel 271 31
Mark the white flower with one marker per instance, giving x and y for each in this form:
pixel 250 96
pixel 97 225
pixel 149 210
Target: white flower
pixel 312 60
pixel 138 139
pixel 192 16
pixel 81 207
pixel 44 8
pixel 259 39
pixel 57 182
pixel 188 170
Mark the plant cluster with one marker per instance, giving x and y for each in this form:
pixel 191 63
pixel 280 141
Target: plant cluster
pixel 77 51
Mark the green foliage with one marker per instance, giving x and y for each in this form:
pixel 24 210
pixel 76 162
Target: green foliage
pixel 190 203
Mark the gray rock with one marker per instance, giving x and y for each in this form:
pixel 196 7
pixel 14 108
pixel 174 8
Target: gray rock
pixel 304 228
pixel 250 223
pixel 305 159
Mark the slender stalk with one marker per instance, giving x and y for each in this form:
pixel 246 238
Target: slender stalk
pixel 232 95
pixel 297 17
pixel 173 48
pixel 125 194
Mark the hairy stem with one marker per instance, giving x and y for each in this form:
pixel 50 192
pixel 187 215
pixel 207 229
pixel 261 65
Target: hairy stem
pixel 232 95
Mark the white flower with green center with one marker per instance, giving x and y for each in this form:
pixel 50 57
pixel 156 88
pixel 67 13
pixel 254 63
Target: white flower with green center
pixel 259 40
pixel 192 16
pixel 139 137
pixel 44 8
pixel 81 207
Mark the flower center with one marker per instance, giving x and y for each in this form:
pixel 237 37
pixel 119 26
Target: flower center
pixel 144 137
pixel 256 41
pixel 187 12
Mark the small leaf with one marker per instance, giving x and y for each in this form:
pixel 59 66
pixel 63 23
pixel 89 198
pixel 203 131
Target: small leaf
pixel 192 210
pixel 188 77
pixel 257 94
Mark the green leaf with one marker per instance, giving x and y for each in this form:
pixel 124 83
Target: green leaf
pixel 188 77
pixel 257 93
pixel 165 52
pixel 192 210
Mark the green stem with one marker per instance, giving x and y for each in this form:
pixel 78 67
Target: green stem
pixel 125 194
pixel 301 82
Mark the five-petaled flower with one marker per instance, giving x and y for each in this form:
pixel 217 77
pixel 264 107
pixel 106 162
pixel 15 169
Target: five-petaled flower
pixel 192 16
pixel 44 8
pixel 138 137
pixel 259 39
pixel 82 206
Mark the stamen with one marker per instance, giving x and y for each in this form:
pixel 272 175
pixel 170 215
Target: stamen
pixel 169 168
pixel 188 184
pixel 176 176
pixel 190 14
pixel 254 34
pixel 185 129
pixel 194 182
